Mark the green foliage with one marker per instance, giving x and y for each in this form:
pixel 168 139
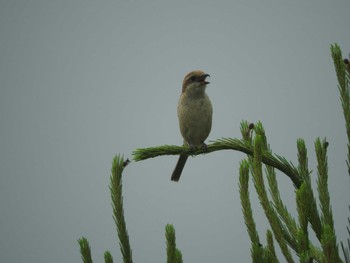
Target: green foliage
pixel 285 229
pixel 328 242
pixel 118 165
pixel 346 249
pixel 271 247
pixel 342 69
pixel 270 212
pixel 287 232
pixel 268 158
pixel 108 257
pixel 343 77
pixel 173 254
pixel 313 215
pixel 303 213
pixel 245 200
pixel 322 182
pixel 85 250
pixel 118 210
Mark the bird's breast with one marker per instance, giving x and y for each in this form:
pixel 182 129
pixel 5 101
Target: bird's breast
pixel 195 118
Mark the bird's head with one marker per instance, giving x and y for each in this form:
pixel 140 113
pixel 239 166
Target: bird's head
pixel 195 82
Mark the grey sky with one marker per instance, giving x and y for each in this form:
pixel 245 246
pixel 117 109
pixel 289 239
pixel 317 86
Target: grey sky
pixel 81 81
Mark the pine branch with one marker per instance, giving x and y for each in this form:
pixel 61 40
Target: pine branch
pixel 343 77
pixel 270 213
pixel 283 234
pixel 329 246
pixel 108 257
pixel 118 210
pixel 316 253
pixel 346 249
pixel 328 240
pixel 173 254
pixel 85 250
pixel 303 209
pixel 276 161
pixel 290 228
pixel 345 252
pixel 178 256
pixel 342 69
pixel 170 243
pixel 322 182
pixel 245 202
pixel 270 246
pixel 314 217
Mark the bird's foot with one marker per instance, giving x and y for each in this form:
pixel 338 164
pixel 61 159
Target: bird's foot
pixel 204 147
pixel 192 147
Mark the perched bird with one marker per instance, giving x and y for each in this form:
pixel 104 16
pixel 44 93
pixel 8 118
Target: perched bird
pixel 195 115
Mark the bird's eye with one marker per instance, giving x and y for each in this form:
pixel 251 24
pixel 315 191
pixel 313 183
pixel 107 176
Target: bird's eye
pixel 192 78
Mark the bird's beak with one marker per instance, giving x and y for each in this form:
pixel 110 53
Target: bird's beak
pixel 202 79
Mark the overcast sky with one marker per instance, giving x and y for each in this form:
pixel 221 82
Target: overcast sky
pixel 81 81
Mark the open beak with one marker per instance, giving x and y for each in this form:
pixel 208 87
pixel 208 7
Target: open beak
pixel 203 79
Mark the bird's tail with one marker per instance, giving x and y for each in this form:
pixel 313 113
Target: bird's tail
pixel 178 168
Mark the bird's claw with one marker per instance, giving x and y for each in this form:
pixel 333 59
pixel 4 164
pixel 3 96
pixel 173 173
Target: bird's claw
pixel 192 147
pixel 204 147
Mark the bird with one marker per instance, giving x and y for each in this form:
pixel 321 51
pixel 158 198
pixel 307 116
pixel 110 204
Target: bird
pixel 194 112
